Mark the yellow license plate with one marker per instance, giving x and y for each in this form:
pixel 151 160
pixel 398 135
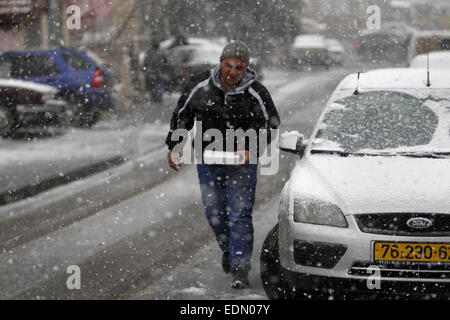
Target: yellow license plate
pixel 411 252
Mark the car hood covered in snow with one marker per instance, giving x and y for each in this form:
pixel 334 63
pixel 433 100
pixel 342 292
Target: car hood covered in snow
pixel 375 184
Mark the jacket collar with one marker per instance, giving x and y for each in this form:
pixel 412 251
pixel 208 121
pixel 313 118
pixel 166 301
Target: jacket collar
pixel 247 80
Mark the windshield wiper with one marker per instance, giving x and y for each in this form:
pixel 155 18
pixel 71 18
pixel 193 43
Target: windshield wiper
pixel 336 152
pixel 435 155
pixel 341 153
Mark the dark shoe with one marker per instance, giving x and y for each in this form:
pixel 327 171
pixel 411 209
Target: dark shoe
pixel 225 262
pixel 240 279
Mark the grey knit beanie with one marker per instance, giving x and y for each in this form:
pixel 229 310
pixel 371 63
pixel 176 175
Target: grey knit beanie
pixel 236 49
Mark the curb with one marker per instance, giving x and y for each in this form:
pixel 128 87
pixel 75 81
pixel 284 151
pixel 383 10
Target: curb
pixel 35 216
pixel 58 180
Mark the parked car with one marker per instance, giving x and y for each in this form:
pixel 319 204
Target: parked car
pixel 24 104
pixel 387 44
pixel 309 50
pixel 435 59
pixel 336 51
pixel 369 199
pixel 190 57
pixel 422 42
pixel 86 86
pixel 312 26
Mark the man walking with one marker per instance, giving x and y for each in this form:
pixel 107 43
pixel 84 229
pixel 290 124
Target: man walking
pixel 227 97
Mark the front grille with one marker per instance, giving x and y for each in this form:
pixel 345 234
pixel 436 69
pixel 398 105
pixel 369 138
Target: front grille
pixel 396 224
pixel 406 271
pixel 317 254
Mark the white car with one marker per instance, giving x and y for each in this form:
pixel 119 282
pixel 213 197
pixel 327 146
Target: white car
pixel 191 57
pixel 336 51
pixel 309 49
pixel 435 59
pixel 366 211
pixel 25 104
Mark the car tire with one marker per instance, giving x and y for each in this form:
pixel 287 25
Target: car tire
pixel 272 274
pixel 89 118
pixel 8 121
pixel 77 114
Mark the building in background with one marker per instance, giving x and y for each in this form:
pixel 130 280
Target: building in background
pixel 109 28
pixel 119 30
pixel 345 17
pixel 19 20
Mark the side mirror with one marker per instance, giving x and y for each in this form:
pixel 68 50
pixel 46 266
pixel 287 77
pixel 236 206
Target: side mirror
pixel 293 142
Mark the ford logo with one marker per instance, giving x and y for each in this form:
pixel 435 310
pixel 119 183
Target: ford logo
pixel 419 223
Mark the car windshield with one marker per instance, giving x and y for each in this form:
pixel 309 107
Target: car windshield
pixel 24 67
pixel 386 122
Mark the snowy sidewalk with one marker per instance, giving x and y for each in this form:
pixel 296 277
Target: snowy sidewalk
pixel 29 167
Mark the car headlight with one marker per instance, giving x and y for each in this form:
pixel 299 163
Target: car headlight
pixel 315 211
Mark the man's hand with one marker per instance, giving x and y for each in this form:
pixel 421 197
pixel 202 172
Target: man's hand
pixel 174 160
pixel 245 157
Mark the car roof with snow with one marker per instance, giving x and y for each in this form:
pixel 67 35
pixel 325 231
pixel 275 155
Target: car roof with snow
pixel 21 84
pixel 309 41
pixel 437 59
pixel 396 78
pixel 430 33
pixel 203 42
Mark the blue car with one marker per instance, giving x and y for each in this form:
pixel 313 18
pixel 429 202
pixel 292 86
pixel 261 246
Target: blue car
pixel 84 84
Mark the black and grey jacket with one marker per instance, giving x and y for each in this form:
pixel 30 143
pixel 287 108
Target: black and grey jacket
pixel 247 106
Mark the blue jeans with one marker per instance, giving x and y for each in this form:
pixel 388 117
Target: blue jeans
pixel 228 194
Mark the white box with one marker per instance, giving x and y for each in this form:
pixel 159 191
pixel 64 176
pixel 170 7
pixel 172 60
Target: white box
pixel 220 157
